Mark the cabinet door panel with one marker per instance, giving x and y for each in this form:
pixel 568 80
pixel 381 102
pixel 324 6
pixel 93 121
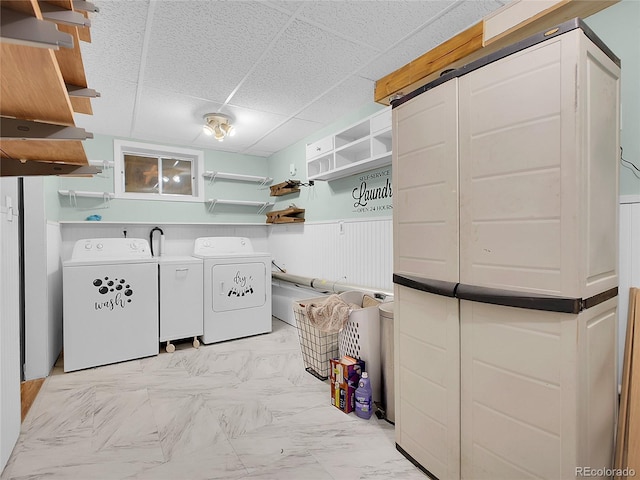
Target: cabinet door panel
pixel 425 176
pixel 517 134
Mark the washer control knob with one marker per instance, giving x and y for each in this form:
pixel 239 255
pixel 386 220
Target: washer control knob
pixel 87 246
pixel 134 246
pixel 99 246
pixel 207 243
pixel 242 242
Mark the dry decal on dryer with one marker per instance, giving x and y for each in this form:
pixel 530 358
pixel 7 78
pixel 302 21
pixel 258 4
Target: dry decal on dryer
pixel 242 285
pixel 114 292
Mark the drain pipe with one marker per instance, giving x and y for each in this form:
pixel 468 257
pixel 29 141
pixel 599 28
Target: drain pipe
pixel 326 286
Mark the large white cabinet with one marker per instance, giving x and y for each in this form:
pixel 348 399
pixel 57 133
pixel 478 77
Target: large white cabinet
pixel 505 263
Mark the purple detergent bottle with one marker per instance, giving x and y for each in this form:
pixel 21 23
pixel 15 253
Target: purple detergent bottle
pixel 364 404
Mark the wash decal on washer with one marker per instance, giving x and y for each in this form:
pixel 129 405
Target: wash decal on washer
pixel 118 293
pixel 242 286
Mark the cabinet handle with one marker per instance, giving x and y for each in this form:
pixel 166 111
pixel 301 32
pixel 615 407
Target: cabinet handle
pixel 182 269
pixel 318 149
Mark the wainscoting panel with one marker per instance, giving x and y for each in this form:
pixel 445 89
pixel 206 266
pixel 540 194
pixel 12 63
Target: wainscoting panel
pixel 629 273
pixel 353 252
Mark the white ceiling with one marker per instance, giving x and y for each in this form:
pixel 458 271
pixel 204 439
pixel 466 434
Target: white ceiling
pixel 283 69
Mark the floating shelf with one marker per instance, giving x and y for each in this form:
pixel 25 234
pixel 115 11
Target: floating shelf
pixel 78 193
pixel 237 176
pixel 102 163
pixel 73 195
pixel 247 203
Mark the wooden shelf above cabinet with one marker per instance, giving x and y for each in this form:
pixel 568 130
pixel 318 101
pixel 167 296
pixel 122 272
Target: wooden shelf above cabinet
pixel 514 22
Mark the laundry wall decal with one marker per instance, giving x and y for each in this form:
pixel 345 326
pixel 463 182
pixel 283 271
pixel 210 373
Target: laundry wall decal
pixel 374 192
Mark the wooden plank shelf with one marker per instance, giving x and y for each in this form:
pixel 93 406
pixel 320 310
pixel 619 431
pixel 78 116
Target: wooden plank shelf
pixel 33 87
pixel 288 215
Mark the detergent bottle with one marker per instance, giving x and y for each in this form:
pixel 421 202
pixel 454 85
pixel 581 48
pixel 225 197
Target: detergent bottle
pixel 364 404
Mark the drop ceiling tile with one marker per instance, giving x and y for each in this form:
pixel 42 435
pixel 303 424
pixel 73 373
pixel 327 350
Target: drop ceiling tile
pixel 350 95
pixel 170 116
pixel 117 35
pixel 456 20
pixel 204 49
pixel 376 23
pixel 304 63
pixel 112 111
pixel 290 132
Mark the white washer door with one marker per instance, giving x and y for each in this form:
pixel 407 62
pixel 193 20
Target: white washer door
pixel 237 286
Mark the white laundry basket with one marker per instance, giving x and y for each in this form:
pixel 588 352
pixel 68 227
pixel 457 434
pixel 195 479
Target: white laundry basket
pixel 360 338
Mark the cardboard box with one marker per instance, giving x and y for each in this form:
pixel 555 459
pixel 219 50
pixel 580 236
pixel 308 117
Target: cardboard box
pixel 344 377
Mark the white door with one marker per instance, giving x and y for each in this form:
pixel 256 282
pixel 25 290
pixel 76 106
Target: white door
pixel 9 320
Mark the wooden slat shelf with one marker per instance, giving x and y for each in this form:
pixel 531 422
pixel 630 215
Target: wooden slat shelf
pixel 471 45
pixel 288 215
pixel 32 87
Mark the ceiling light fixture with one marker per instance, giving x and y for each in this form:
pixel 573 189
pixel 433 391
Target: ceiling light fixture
pixel 219 125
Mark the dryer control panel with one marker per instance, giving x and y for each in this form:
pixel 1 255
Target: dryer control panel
pixel 112 248
pixel 214 246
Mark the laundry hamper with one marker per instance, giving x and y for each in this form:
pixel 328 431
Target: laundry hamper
pixel 360 338
pixel 317 347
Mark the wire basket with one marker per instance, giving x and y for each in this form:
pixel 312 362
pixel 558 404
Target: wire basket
pixel 317 347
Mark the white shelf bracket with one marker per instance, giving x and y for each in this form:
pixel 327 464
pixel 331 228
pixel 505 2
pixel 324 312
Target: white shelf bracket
pixel 76 91
pixel 17 129
pixel 57 14
pixel 85 6
pixel 22 29
pixel 73 200
pixel 265 205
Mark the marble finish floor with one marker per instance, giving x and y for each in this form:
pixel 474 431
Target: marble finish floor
pixel 243 409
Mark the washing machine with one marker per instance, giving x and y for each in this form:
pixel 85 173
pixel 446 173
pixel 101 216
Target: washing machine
pixel 237 288
pixel 110 302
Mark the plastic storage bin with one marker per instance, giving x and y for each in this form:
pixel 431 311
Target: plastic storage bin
pixel 386 357
pixel 317 347
pixel 360 338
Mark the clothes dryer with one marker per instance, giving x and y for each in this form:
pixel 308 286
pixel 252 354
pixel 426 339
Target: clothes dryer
pixel 110 302
pixel 237 288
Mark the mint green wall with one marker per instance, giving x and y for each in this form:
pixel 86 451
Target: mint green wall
pixel 619 28
pixel 325 200
pixel 101 148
